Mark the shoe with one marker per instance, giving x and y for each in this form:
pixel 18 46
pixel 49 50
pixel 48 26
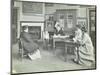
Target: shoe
pixel 35 55
pixel 75 61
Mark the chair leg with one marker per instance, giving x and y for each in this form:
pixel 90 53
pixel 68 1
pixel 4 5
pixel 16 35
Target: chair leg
pixel 21 55
pixel 65 54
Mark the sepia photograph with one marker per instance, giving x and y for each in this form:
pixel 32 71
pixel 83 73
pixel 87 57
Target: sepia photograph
pixel 52 37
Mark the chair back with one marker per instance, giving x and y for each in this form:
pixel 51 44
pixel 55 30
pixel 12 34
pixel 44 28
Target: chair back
pixel 20 43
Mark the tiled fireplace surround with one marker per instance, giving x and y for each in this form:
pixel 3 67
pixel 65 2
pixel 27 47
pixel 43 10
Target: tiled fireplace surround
pixel 36 29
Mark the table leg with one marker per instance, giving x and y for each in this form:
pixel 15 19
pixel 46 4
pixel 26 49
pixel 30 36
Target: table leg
pixel 53 46
pixel 65 54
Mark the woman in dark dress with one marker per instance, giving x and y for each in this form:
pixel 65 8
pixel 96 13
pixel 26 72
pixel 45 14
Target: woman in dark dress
pixel 30 47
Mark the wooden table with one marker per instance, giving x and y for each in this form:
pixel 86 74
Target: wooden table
pixel 57 40
pixel 67 44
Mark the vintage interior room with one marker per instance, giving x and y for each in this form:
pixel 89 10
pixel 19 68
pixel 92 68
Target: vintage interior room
pixel 55 51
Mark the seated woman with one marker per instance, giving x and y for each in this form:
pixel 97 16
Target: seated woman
pixel 85 55
pixel 30 47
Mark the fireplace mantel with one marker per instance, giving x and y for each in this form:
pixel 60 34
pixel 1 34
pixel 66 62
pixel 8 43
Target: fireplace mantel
pixel 34 24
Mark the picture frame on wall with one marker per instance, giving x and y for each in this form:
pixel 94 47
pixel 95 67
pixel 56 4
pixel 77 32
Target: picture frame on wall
pixel 82 20
pixel 32 8
pixel 49 22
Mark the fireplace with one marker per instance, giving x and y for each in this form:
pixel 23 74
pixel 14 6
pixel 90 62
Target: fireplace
pixel 35 32
pixel 35 29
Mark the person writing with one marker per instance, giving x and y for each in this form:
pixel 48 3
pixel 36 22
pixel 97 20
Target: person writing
pixel 58 29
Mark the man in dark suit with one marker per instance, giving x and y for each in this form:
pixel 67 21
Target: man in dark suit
pixel 59 30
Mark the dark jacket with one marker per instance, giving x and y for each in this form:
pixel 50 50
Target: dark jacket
pixel 28 44
pixel 61 32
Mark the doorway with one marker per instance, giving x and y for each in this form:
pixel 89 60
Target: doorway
pixel 14 23
pixel 92 22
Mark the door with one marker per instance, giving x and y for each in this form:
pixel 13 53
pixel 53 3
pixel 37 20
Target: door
pixel 92 22
pixel 14 19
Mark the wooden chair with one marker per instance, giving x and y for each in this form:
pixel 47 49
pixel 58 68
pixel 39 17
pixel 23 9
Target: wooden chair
pixel 21 50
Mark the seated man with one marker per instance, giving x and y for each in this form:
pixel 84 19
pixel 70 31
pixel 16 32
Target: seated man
pixel 58 30
pixel 30 47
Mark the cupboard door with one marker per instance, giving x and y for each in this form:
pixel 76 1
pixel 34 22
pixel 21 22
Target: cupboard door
pixel 92 20
pixel 71 21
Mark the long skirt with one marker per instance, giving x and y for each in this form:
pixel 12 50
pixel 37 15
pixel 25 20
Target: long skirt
pixel 85 55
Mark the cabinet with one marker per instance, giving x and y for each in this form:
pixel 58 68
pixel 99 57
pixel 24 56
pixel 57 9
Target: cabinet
pixel 49 22
pixel 92 22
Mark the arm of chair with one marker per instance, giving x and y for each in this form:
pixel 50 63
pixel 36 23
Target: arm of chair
pixel 20 44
